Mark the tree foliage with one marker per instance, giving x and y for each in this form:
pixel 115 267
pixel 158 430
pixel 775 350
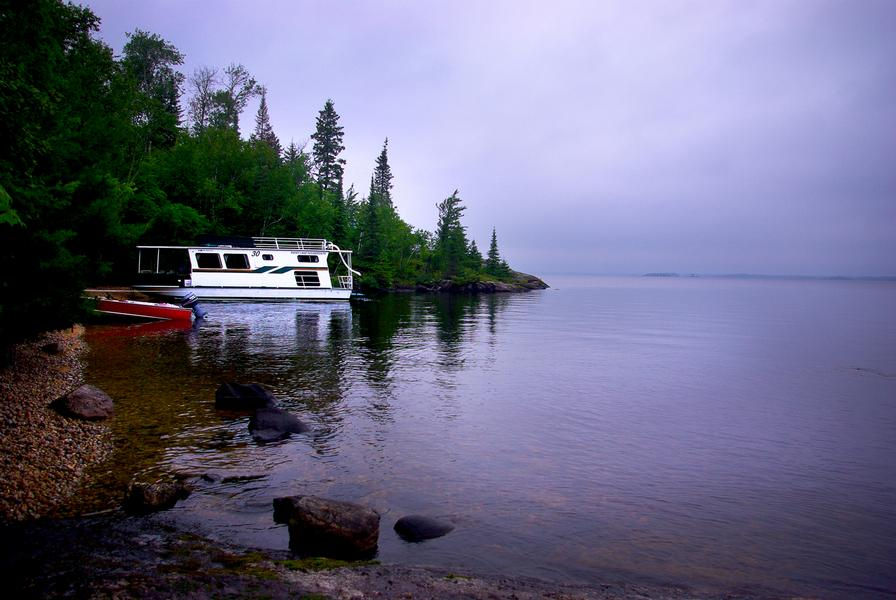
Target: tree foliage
pixel 95 161
pixel 328 146
pixel 263 130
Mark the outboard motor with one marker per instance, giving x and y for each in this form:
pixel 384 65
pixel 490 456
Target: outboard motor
pixel 192 302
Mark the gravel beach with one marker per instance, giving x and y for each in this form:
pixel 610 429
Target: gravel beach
pixel 43 455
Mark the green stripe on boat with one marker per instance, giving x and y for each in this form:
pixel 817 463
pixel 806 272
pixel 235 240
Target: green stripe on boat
pixel 263 269
pixel 284 270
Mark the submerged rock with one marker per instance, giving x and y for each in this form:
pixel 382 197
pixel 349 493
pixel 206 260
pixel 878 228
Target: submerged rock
pixel 86 402
pixel 416 528
pixel 273 424
pixel 243 396
pixel 150 497
pixel 278 419
pixel 331 528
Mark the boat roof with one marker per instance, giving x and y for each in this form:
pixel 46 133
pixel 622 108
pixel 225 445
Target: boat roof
pixel 265 243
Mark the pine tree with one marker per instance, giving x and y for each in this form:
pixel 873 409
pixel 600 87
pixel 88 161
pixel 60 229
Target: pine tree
pixel 263 130
pixel 296 162
pixel 327 147
pixel 381 184
pixel 474 257
pixel 451 239
pixel 493 264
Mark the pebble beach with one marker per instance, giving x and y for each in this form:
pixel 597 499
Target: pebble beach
pixel 43 455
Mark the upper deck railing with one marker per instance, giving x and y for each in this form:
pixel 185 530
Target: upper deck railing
pixel 290 243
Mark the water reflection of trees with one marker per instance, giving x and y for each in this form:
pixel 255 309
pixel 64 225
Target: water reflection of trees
pixel 320 360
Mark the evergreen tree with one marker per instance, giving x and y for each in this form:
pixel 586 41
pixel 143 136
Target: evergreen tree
pixel 327 147
pixel 263 130
pixel 381 184
pixel 494 264
pixel 474 257
pixel 451 239
pixel 291 154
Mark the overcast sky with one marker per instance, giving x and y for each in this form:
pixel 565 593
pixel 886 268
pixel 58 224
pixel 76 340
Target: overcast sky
pixel 598 137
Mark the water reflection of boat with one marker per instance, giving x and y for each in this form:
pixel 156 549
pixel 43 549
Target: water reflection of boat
pixel 140 329
pixel 258 268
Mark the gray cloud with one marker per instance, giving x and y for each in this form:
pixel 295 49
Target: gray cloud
pixel 597 137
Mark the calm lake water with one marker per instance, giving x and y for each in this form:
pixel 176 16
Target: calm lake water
pixel 704 431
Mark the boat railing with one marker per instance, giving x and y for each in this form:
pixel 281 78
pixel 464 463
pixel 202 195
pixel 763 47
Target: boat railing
pixel 290 243
pixel 345 281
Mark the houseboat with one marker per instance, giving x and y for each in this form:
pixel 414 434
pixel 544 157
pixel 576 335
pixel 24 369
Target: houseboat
pixel 258 268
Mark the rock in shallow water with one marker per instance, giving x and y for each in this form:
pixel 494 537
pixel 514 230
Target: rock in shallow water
pixel 86 402
pixel 331 528
pixel 242 396
pixel 416 528
pixel 150 497
pixel 273 424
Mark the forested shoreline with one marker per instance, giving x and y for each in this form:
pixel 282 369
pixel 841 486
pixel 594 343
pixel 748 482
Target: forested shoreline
pixel 103 153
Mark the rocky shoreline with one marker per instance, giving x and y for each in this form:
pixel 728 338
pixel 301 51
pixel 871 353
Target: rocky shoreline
pixel 117 556
pixel 45 458
pixel 522 282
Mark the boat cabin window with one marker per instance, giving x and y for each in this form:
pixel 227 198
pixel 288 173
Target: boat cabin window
pixel 236 261
pixel 267 256
pixel 168 261
pixel 308 258
pixel 307 279
pixel 208 260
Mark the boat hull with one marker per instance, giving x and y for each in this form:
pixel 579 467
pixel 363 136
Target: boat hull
pixel 143 310
pixel 249 293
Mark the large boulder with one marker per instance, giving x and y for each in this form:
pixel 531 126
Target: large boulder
pixel 416 528
pixel 150 497
pixel 331 528
pixel 86 402
pixel 272 424
pixel 243 396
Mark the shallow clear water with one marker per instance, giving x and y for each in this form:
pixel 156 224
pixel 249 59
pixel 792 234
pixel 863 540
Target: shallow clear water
pixel 710 431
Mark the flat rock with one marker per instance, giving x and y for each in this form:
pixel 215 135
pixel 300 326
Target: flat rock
pixel 331 528
pixel 243 396
pixel 87 402
pixel 416 528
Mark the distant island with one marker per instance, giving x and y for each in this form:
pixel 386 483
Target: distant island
pixel 761 276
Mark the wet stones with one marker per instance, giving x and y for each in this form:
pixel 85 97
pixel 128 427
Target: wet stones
pixel 268 422
pixel 272 424
pixel 145 498
pixel 242 396
pixel 417 528
pixel 330 528
pixel 86 402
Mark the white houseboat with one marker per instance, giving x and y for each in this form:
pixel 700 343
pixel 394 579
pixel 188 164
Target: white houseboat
pixel 258 268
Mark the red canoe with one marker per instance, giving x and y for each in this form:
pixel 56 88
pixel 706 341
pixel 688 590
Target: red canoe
pixel 144 310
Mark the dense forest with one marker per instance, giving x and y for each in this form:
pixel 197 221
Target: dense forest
pixel 101 153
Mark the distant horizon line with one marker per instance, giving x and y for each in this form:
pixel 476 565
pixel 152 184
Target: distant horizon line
pixel 673 275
